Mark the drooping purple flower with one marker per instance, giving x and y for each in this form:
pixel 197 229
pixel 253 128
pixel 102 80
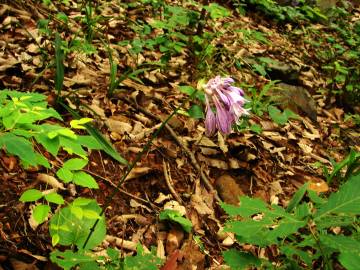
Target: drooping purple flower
pixel 224 105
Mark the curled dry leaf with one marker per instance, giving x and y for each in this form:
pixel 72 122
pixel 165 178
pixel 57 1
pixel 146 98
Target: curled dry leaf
pixel 138 172
pixel 122 243
pixel 174 205
pixel 50 180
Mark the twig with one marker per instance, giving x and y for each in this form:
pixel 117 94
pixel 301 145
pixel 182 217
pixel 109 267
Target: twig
pixel 169 182
pixel 193 160
pixel 120 189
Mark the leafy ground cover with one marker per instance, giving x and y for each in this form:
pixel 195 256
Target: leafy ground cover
pixel 106 162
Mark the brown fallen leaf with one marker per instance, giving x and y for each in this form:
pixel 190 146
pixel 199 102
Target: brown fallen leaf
pixel 228 189
pixel 171 263
pixel 19 265
pixel 173 240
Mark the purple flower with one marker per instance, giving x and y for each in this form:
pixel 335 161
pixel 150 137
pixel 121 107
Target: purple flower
pixel 224 105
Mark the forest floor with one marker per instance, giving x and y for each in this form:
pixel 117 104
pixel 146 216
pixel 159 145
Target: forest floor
pixel 266 159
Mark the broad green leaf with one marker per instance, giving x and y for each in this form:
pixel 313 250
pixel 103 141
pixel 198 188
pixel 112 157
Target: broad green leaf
pixel 196 112
pixel 77 229
pixel 344 201
pixel 186 89
pixel 72 147
pixel 85 180
pixel 79 123
pixel 89 142
pixel 65 175
pixel 75 164
pixel 40 160
pixel 40 212
pixel 51 145
pixel 81 201
pixel 350 261
pixel 31 195
pixel 175 216
pixel 77 211
pixel 248 207
pixel 90 214
pixel 240 260
pixel 20 147
pixel 54 198
pixel 256 128
pixel 277 116
pixel 69 259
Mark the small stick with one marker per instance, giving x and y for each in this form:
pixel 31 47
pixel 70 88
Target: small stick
pixel 120 189
pixel 169 182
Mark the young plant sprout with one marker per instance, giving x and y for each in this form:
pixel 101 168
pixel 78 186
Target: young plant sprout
pixel 224 105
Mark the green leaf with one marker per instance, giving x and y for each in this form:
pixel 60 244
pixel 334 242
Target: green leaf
pixel 89 142
pixel 41 212
pixel 79 123
pixel 62 17
pixel 186 89
pixel 77 211
pixel 74 231
pixel 340 242
pixel 256 128
pixel 350 261
pixel 260 69
pixel 20 147
pixel 345 201
pixel 55 240
pixel 69 259
pixel 175 216
pixel 65 175
pixel 189 90
pixel 91 214
pixel 142 260
pixel 277 116
pixel 297 197
pixel 51 145
pixel 54 198
pixel 75 164
pixel 81 201
pixel 72 147
pixel 106 146
pixel 113 254
pixel 247 208
pixel 196 112
pixel 240 260
pixel 31 195
pixel 85 180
